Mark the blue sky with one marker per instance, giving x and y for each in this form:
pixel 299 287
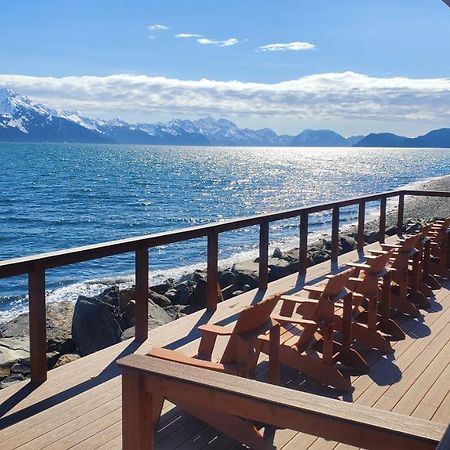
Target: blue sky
pixel 355 66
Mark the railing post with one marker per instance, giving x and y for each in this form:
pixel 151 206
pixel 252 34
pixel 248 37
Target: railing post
pixel 212 273
pixel 361 224
pixel 382 232
pixel 38 331
pixel 335 235
pixel 263 254
pixel 303 249
pixel 141 294
pixel 401 210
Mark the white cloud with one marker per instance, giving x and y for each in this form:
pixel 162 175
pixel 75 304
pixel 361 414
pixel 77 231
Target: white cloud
pixel 188 35
pixel 157 27
pixel 224 43
pixel 292 46
pixel 328 97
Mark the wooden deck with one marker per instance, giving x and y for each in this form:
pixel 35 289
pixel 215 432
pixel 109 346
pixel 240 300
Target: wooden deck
pixel 80 404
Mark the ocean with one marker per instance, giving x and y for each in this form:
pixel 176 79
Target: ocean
pixel 56 196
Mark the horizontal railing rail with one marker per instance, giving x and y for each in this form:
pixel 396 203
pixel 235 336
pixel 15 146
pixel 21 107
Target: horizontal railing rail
pixel 35 266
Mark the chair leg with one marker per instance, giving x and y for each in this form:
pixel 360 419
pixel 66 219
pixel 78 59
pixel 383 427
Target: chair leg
pixel 391 328
pixel 405 306
pixel 315 368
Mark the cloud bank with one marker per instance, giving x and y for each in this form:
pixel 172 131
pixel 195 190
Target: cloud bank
pixel 329 96
pixel 292 46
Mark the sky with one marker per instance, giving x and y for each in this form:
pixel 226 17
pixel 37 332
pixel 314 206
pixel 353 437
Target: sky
pixel 355 66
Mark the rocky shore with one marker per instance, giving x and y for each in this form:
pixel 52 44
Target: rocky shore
pixel 93 323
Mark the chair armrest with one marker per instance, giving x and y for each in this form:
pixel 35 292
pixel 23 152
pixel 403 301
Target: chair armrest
pixel 295 299
pixel 283 319
pixel 390 246
pixel 355 279
pixel 216 329
pixel 358 265
pixel 317 289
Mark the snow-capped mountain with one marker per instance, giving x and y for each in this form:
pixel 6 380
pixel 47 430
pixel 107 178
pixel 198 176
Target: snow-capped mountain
pixel 22 120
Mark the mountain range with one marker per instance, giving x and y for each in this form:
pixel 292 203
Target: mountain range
pixel 21 120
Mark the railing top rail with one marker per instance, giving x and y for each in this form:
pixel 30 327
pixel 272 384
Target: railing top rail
pixel 23 265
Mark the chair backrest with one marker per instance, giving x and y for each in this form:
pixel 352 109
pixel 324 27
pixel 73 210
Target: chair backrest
pixel 255 316
pixel 410 243
pixel 378 264
pixel 252 321
pixel 337 283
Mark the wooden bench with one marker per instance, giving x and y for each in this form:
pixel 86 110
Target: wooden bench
pixel 145 378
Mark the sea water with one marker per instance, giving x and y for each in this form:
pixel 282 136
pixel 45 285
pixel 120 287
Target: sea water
pixel 57 196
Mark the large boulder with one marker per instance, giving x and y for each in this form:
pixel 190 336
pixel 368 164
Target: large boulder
pixel 278 268
pixel 58 324
pixel 95 322
pixel 12 351
pixel 247 272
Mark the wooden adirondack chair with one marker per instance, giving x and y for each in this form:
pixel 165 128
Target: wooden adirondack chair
pixel 404 293
pixel 440 248
pixel 372 303
pixel 307 342
pixel 240 357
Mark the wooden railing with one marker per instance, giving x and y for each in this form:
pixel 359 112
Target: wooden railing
pixel 36 266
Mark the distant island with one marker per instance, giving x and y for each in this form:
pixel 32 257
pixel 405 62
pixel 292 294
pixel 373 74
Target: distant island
pixel 21 120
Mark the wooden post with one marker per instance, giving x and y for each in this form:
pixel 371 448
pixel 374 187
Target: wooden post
pixel 361 223
pixel 274 354
pixel 212 274
pixel 382 232
pixel 263 254
pixel 38 331
pixel 137 413
pixel 303 249
pixel 141 309
pixel 401 210
pixel 335 236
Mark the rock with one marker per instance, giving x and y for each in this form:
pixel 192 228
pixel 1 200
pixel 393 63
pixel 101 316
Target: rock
pixel 247 273
pixel 183 291
pixel 127 334
pixel 197 300
pixel 128 315
pixel 159 299
pixel 278 268
pixel 13 349
pixel 163 287
pixel 125 296
pixel 95 325
pixel 277 253
pixel 346 244
pixel 65 359
pixel 228 291
pixel 199 276
pixel 177 311
pixel 59 326
pixel 21 369
pixel 157 314
pixel 227 278
pixel 12 379
pixel 236 293
pixel 170 294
